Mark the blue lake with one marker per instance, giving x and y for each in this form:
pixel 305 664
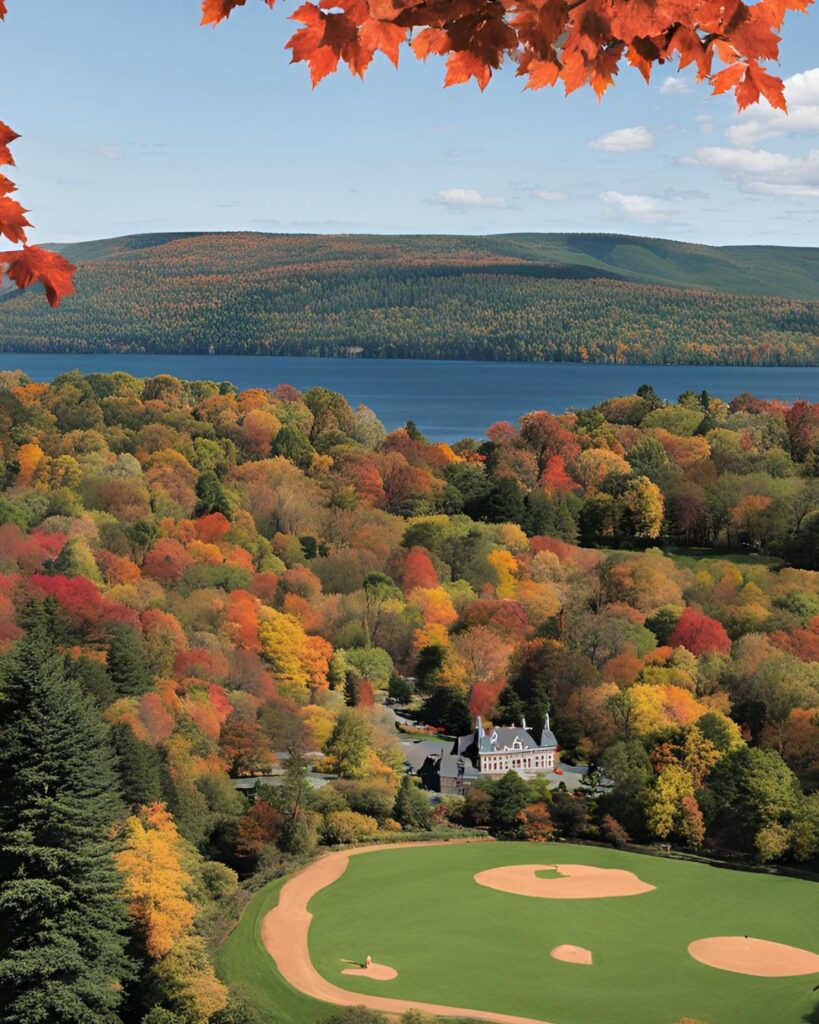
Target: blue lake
pixel 447 399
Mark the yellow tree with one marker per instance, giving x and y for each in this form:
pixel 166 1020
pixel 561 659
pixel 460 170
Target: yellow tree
pixel 156 884
pixel 664 805
pixel 643 501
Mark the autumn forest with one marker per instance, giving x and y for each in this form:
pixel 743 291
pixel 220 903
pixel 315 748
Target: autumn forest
pixel 200 585
pixel 570 298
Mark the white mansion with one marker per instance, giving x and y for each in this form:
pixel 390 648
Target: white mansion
pixel 490 753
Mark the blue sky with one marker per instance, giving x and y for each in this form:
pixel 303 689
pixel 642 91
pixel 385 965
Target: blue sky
pixel 136 119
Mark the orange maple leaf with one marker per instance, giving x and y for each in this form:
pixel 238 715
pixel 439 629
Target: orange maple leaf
pixel 7 136
pixel 462 65
pixel 540 72
pixel 13 220
pixel 384 36
pixel 214 11
pixel 431 40
pixel 758 82
pixel 728 78
pixel 31 264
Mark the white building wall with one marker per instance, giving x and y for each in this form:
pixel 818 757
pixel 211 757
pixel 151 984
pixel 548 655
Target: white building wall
pixel 528 763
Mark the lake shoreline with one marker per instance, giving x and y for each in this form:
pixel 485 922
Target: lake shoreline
pixel 447 399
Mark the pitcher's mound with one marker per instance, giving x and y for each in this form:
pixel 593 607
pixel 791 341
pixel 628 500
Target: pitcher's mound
pixel 754 956
pixel 378 972
pixel 575 881
pixel 572 954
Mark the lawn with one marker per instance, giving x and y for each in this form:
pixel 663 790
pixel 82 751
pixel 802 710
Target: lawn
pixel 459 944
pixel 692 558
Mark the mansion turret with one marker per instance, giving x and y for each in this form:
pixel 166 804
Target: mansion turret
pixel 490 753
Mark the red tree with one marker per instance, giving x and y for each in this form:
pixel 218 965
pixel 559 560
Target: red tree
pixel 699 633
pixel 418 570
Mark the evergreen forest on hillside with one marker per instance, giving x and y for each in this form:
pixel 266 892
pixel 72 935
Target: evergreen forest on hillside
pixel 578 298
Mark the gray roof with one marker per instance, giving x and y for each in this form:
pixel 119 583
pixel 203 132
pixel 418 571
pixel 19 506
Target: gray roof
pixel 548 739
pixel 506 737
pixel 452 767
pixel 416 751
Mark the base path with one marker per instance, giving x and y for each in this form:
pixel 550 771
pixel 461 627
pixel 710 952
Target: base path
pixel 574 882
pixel 759 957
pixel 284 934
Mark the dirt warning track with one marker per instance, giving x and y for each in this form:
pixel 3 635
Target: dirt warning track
pixel 284 934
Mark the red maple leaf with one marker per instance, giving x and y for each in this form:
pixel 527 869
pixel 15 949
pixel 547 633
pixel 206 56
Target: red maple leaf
pixel 32 264
pixel 7 136
pixel 214 11
pixel 13 220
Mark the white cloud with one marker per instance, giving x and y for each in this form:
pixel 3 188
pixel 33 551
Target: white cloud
pixel 764 172
pixel 624 140
pixel 550 197
pixel 634 206
pixel 463 197
pixel 111 152
pixel 675 85
pixel 762 122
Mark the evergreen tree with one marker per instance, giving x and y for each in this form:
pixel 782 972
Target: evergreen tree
pixel 140 767
pixel 510 709
pixel 448 709
pixel 62 947
pixel 128 662
pixel 540 515
pixel 565 525
pixel 93 677
pixel 212 495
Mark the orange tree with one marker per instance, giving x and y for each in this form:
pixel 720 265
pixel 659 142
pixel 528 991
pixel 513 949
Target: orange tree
pixel 576 42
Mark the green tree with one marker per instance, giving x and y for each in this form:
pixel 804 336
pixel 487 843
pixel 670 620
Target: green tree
pixel 448 709
pixel 128 661
pixel 412 809
pixel 62 922
pixel 140 767
pixel 211 495
pixel 749 790
pixel 509 796
pixel 299 829
pixel 291 444
pixel 349 744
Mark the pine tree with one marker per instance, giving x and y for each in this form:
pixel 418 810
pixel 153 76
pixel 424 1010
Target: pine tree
pixel 128 662
pixel 62 947
pixel 139 765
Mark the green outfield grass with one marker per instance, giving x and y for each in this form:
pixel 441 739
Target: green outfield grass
pixel 460 944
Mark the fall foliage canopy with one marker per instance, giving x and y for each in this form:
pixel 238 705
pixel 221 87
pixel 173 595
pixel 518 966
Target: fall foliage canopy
pixel 577 43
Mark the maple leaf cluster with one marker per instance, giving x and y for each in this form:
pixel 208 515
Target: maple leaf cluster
pixel 576 42
pixel 30 264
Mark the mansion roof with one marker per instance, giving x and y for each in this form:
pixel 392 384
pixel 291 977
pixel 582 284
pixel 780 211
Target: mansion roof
pixel 503 738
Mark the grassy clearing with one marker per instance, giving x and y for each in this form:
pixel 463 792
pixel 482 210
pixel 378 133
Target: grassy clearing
pixel 692 557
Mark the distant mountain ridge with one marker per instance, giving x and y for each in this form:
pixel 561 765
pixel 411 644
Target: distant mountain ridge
pixel 587 297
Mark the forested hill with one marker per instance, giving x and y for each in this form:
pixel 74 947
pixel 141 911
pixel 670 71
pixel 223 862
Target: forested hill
pixel 583 297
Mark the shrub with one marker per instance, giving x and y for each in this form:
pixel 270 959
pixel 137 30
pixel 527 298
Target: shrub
pixel 348 827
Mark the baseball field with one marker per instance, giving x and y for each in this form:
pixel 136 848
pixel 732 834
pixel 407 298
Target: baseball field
pixel 554 933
